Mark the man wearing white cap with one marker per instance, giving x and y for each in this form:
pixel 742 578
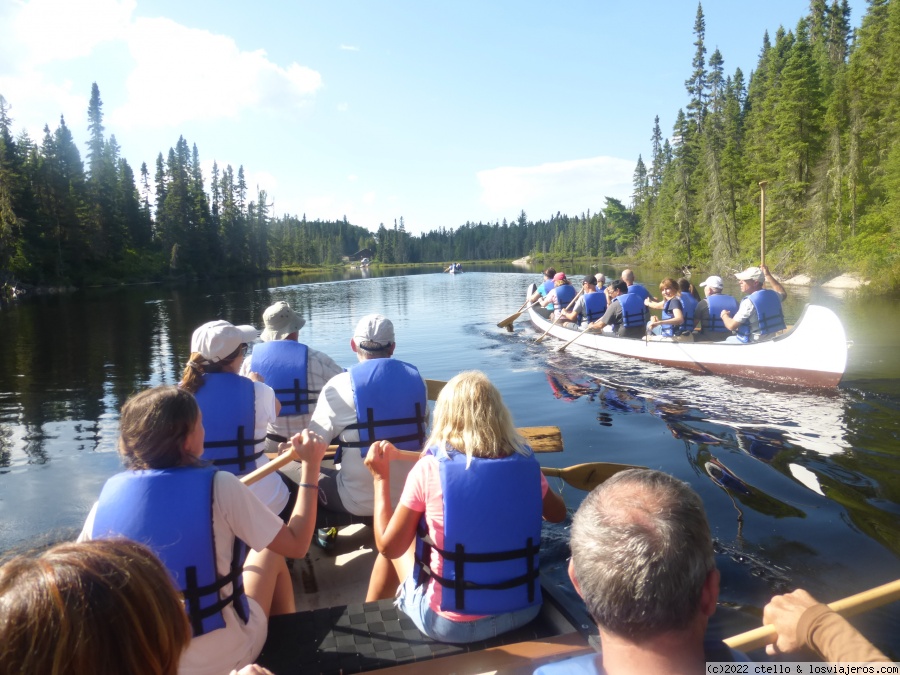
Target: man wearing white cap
pixel 295 371
pixel 379 398
pixel 236 410
pixel 759 313
pixel 708 325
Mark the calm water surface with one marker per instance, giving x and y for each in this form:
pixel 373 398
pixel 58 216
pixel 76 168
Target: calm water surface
pixel 802 488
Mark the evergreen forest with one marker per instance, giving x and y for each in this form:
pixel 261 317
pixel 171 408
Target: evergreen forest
pixel 818 120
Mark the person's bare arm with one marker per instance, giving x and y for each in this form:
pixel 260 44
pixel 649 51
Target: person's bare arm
pixel 773 282
pixel 294 538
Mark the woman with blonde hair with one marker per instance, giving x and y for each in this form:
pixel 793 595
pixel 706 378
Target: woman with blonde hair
pixel 94 607
pixel 202 523
pixel 464 538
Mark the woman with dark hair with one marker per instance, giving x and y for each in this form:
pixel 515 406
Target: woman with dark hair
pixel 202 523
pixel 236 410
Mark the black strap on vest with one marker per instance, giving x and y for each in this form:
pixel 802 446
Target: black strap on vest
pixel 459 557
pixel 243 459
pixel 371 424
pixel 193 592
pixel 301 397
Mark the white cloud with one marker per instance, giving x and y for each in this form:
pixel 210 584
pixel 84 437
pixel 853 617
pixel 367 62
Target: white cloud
pixel 61 30
pixel 568 187
pixel 343 107
pixel 349 48
pixel 200 75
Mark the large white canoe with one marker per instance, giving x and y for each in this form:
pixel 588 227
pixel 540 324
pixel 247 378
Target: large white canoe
pixel 812 353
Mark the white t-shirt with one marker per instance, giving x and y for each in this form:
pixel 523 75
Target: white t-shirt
pixel 270 490
pixel 236 512
pixel 335 411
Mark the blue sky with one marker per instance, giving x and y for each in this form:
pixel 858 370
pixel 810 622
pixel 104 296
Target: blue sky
pixel 439 113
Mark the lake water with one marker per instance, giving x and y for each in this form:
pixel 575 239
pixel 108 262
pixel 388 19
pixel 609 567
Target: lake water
pixel 802 488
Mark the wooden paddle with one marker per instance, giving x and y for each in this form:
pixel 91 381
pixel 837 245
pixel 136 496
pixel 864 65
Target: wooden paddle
pixel 563 348
pixel 512 317
pixel 559 316
pixel 850 606
pixel 541 439
pixel 582 476
pixel 587 476
pixel 762 221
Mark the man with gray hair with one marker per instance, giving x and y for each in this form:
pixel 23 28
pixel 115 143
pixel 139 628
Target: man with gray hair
pixel 377 399
pixel 708 325
pixel 642 559
pixel 759 316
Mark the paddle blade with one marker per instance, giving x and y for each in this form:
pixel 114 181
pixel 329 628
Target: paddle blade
pixel 508 321
pixel 587 476
pixel 542 439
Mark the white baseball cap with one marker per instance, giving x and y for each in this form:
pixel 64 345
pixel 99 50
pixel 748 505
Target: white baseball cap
pixel 217 340
pixel 751 274
pixel 374 328
pixel 714 282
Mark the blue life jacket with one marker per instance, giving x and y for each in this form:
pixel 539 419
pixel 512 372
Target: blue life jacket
pixel 717 303
pixel 640 290
pixel 170 511
pixel 391 405
pixel 564 295
pixel 632 309
pixel 688 307
pixel 492 534
pixel 594 306
pixel 667 329
pixel 545 288
pixel 768 310
pixel 282 363
pixel 228 404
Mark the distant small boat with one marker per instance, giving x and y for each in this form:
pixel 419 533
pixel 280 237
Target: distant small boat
pixel 812 353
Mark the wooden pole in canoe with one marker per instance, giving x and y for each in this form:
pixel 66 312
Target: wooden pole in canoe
pixel 762 221
pixel 847 607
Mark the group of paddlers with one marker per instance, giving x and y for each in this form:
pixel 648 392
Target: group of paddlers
pixel 194 596
pixel 188 451
pixel 623 307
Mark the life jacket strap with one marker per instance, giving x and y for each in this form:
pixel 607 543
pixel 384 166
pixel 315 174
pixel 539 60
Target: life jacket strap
pixel 459 557
pixel 243 458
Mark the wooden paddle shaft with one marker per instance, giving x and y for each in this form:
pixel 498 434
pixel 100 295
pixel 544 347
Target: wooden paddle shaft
pixel 847 607
pixel 762 221
pixel 559 316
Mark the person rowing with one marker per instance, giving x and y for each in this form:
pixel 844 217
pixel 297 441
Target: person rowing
pixel 237 410
pixel 625 314
pixel 589 307
pixel 202 523
pixel 708 325
pixel 760 314
pixel 562 294
pixel 462 545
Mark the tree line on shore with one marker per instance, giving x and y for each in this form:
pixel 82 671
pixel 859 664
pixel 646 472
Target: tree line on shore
pixel 818 119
